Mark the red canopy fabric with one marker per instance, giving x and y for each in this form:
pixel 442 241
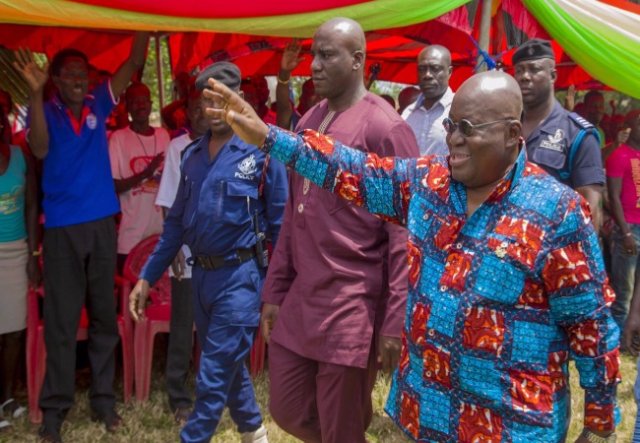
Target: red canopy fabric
pixel 106 49
pixel 395 49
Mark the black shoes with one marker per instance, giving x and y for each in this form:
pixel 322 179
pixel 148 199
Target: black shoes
pixel 51 434
pixel 181 415
pixel 112 421
pixel 47 435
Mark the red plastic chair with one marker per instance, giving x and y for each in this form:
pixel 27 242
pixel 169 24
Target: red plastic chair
pixel 156 318
pixel 256 357
pixel 36 351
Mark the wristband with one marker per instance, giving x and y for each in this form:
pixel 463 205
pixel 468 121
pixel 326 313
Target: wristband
pixel 283 82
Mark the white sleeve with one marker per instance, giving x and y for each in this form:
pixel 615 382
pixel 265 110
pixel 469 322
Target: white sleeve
pixel 115 150
pixel 170 175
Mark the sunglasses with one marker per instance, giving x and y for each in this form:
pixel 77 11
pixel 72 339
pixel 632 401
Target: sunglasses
pixel 466 127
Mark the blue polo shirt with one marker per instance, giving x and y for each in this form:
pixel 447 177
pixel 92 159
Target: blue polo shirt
pixel 76 178
pixel 215 202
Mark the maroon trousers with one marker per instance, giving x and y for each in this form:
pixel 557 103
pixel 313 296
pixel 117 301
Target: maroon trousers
pixel 320 402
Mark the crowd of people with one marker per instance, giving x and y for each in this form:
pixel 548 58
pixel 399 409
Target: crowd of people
pixel 455 241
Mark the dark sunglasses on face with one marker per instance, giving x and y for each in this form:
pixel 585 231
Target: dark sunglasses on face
pixel 466 127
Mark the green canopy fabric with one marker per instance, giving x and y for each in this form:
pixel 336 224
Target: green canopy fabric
pixel 200 16
pixel 603 39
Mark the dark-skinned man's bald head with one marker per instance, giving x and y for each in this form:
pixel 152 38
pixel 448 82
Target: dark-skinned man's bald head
pixel 348 30
pixel 490 101
pixel 338 51
pixel 434 71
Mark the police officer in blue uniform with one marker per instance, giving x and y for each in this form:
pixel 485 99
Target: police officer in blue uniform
pixel 561 142
pixel 229 199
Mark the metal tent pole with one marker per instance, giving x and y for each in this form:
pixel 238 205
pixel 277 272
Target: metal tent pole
pixel 159 72
pixel 485 32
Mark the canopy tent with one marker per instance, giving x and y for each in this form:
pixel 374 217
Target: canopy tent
pixel 603 37
pixel 395 49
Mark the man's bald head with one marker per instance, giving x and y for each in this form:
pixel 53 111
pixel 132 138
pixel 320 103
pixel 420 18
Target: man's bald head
pixel 434 72
pixel 484 129
pixel 436 50
pixel 492 93
pixel 337 67
pixel 347 30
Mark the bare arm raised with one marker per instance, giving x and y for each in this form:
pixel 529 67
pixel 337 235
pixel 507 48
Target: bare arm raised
pixel 290 60
pixel 36 77
pixel 123 75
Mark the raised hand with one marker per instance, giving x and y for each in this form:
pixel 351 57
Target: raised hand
pixel 570 98
pixel 237 113
pixel 291 56
pixel 36 76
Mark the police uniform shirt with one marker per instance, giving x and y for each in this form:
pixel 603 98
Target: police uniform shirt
pixel 215 202
pixel 548 146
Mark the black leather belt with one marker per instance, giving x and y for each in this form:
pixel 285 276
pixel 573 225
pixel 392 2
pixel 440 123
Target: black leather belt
pixel 210 262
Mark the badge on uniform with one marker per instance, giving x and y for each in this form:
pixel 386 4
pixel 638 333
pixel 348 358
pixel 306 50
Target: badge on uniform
pixel 554 142
pixel 92 121
pixel 247 168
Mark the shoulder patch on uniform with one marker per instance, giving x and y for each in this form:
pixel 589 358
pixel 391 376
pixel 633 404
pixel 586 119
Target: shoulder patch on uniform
pixel 580 121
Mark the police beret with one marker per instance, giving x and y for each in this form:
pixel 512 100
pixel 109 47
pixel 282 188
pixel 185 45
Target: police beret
pixel 225 72
pixel 533 49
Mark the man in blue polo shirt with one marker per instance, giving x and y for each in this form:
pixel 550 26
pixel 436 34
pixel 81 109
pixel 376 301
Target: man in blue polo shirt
pixel 69 134
pixel 228 198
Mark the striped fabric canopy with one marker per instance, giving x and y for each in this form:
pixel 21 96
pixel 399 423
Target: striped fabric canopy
pixel 603 37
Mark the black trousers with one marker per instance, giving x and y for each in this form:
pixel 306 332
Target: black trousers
pixel 180 343
pixel 79 265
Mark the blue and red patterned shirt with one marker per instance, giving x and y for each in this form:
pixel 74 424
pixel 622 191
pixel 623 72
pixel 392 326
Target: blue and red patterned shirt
pixel 498 300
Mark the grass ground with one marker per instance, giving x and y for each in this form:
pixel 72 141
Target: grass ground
pixel 151 422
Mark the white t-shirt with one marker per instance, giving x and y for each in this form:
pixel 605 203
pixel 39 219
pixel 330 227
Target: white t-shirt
pixel 130 153
pixel 170 182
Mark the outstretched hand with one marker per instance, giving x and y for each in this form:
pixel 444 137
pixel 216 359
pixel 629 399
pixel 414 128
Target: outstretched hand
pixel 237 113
pixel 36 76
